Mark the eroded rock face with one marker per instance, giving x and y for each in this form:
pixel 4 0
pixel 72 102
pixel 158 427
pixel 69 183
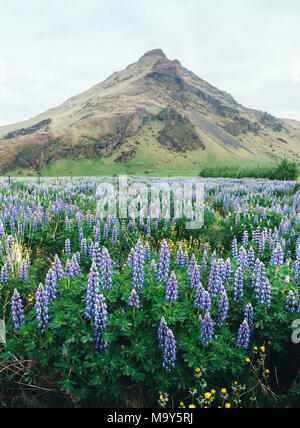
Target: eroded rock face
pixel 270 121
pixel 241 125
pixel 28 131
pixel 178 134
pixel 126 156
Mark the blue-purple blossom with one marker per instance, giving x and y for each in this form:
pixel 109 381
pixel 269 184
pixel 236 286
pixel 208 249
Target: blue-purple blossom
pixel 249 316
pixel 223 309
pixel 172 288
pixel 134 299
pixel 243 339
pixel 277 256
pixel 202 299
pixel 100 323
pixel 207 330
pixel 42 308
pixel 106 270
pixel 17 311
pixel 93 286
pixel 68 247
pixel 194 272
pixel 138 263
pixel 169 351
pixel 291 302
pixel 51 285
pixel 164 263
pixel 162 332
pixel 239 286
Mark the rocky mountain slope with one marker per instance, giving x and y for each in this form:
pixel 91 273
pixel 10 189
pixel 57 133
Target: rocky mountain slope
pixel 153 116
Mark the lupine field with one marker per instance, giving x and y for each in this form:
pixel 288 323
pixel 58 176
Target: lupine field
pixel 142 312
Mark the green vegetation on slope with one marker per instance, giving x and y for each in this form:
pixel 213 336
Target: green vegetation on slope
pixel 285 171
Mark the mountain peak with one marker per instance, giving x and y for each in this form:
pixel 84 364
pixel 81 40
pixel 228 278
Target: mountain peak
pixel 154 52
pixel 154 115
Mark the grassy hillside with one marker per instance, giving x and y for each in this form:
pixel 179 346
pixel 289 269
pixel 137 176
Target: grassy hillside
pixel 150 158
pixel 153 118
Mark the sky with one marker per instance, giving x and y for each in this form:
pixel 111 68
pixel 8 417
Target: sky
pixel 51 51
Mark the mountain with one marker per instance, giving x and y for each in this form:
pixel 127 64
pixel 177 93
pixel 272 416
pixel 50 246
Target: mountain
pixel 154 117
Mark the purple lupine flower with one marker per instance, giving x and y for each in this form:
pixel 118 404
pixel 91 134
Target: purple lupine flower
pixel 202 299
pixel 106 270
pixel 147 251
pixel 264 293
pixel 83 247
pixel 23 271
pixel 249 316
pixel 51 285
pixel 180 258
pixel 251 258
pixel 162 332
pixel 80 232
pixel 114 236
pixel 138 263
pixel 277 256
pixel 228 271
pixel 262 244
pixel 96 254
pixel 89 219
pixel 2 230
pixel 129 262
pixel 69 269
pixel 235 253
pixel 214 282
pixel 68 247
pixel 239 286
pixel 76 264
pixel 148 228
pixel 207 330
pixel 296 270
pixel 134 299
pixel 243 259
pixel 172 288
pixel 106 231
pixel 17 311
pixel 291 303
pixel 259 276
pixel 68 224
pixel 243 339
pixel 203 264
pixel 97 232
pixel 164 263
pixel 57 267
pixel 213 258
pixel 93 285
pixel 42 308
pixel 100 323
pixel 222 269
pixel 223 309
pixel 245 239
pixel 169 351
pixel 194 272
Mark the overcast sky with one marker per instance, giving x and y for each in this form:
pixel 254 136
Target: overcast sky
pixel 50 51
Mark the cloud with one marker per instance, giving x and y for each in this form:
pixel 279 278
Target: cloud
pixel 296 71
pixel 53 51
pixel 2 73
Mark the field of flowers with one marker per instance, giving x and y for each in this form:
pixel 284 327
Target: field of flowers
pixel 144 313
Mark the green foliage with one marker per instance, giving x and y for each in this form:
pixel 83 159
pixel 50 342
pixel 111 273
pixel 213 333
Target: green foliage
pixel 286 171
